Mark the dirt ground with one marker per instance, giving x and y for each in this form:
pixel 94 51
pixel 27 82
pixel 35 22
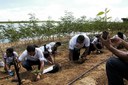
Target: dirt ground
pixel 69 71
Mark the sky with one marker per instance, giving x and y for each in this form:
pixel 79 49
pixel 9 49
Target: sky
pixel 19 10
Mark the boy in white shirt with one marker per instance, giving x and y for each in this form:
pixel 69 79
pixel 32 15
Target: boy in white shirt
pixel 32 56
pixel 50 49
pixel 8 58
pixel 76 43
pixel 96 45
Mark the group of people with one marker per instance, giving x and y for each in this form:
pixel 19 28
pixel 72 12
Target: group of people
pixel 33 55
pixel 116 66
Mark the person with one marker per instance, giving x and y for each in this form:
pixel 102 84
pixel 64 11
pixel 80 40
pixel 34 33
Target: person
pixel 8 58
pixel 96 44
pixel 50 49
pixel 32 56
pixel 122 36
pixel 76 43
pixel 117 64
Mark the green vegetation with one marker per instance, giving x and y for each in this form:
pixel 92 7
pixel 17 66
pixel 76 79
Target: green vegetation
pixel 34 28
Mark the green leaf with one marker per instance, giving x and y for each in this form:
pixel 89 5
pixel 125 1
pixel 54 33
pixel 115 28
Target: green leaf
pixel 100 13
pixel 107 11
pixel 109 17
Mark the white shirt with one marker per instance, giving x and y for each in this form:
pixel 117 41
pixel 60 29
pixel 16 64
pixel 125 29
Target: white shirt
pixel 48 47
pixel 95 41
pixel 38 55
pixel 9 59
pixel 73 42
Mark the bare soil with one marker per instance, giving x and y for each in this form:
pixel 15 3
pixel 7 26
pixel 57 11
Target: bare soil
pixel 69 71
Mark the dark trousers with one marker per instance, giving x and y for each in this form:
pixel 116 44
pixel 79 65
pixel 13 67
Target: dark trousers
pixel 27 64
pixel 76 54
pixel 116 70
pixel 92 48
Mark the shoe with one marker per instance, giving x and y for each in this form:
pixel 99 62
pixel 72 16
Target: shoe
pixel 11 73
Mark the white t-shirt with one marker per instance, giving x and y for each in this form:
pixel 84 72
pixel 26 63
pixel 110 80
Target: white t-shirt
pixel 73 42
pixel 38 55
pixel 10 58
pixel 95 41
pixel 48 47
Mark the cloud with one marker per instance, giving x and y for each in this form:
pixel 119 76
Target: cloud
pixel 56 8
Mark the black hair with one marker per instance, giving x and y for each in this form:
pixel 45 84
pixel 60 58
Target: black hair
pixel 80 39
pixel 120 34
pixel 9 50
pixel 35 45
pixel 58 43
pixel 31 48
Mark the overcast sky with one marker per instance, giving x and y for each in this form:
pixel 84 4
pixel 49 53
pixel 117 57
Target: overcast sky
pixel 19 9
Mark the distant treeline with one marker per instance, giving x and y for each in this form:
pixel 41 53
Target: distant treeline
pixel 35 29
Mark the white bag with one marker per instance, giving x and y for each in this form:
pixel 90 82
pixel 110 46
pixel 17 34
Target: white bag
pixel 52 69
pixel 1 64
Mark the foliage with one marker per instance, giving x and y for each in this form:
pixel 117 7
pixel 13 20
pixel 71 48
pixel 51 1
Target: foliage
pixel 68 24
pixel 105 18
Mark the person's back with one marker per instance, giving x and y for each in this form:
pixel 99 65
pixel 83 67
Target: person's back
pixel 83 42
pixel 122 36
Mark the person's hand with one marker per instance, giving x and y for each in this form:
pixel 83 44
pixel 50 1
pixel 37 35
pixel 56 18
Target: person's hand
pixel 6 68
pixel 81 60
pixel 106 42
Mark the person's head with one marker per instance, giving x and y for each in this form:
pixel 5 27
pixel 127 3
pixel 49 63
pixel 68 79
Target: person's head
pixel 80 39
pixel 120 35
pixel 58 44
pixel 31 50
pixel 9 52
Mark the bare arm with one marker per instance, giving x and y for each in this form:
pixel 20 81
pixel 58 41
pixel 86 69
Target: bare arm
pixel 5 66
pixel 125 44
pixel 41 69
pixel 41 65
pixel 85 53
pixel 121 54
